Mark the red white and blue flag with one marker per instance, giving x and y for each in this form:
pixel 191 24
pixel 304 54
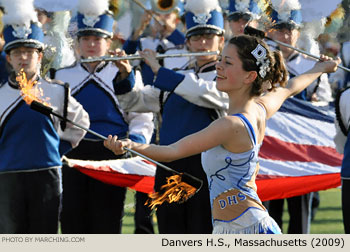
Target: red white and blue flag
pixel 135 173
pixel 297 156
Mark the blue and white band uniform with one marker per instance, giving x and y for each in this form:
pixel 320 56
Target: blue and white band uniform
pixel 341 77
pixel 341 141
pixel 36 138
pixel 181 117
pixel 171 42
pixel 250 8
pixel 190 88
pixel 298 64
pixel 96 91
pixel 236 207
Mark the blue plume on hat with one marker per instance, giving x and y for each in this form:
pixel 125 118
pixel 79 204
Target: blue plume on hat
pixel 21 26
pixel 286 12
pixel 251 7
pixel 94 18
pixel 203 17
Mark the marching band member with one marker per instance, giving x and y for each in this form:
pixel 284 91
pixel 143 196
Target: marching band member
pixel 341 77
pixel 160 39
pixel 177 94
pixel 286 27
pixel 242 13
pixel 342 109
pixel 3 72
pixel 230 145
pixel 342 143
pixel 337 45
pixel 90 206
pixel 32 143
pixel 289 31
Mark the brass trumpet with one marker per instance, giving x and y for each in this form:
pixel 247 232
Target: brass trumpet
pixel 158 56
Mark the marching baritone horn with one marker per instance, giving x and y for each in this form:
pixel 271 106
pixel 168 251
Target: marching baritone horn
pixel 164 6
pixel 138 57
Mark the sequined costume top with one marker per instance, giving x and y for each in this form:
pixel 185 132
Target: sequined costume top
pixel 236 207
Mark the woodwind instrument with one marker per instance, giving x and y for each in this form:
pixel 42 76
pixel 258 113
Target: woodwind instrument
pixel 138 57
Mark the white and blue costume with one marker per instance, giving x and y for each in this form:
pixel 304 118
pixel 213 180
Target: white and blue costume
pixel 102 205
pixel 236 207
pixel 298 64
pixel 178 96
pixel 34 136
pixel 31 147
pixel 341 77
pixel 143 222
pixel 176 38
pixel 341 140
pixel 90 206
pixel 32 143
pixel 342 143
pixel 96 92
pixel 181 117
pixel 290 19
pixel 193 84
pixel 167 93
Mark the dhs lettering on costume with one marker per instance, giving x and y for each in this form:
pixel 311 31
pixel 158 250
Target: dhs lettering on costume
pixel 232 200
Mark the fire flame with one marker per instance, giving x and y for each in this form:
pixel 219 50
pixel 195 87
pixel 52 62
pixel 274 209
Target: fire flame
pixel 174 190
pixel 29 90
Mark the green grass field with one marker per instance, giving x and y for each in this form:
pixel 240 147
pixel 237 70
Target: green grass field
pixel 328 219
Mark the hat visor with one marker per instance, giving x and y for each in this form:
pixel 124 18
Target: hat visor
pixel 201 31
pixel 236 16
pixel 286 25
pixel 38 46
pixel 96 33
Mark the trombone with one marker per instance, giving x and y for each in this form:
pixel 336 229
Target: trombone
pixel 138 57
pixel 160 7
pixel 152 14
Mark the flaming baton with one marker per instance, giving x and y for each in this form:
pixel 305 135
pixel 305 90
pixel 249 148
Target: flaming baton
pixel 179 187
pixel 29 90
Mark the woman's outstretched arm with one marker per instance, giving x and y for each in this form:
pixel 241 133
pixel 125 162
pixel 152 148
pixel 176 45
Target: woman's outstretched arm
pixel 274 99
pixel 224 131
